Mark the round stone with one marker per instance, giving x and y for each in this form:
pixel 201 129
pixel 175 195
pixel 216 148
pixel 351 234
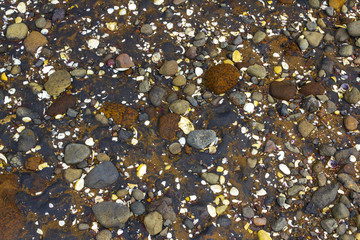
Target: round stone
pixel 221 78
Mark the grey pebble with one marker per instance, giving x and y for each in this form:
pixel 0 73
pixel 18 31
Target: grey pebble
pixel 102 175
pixel 329 225
pixel 27 140
pixel 279 224
pixel 76 153
pixel 111 214
pixel 247 212
pixel 340 211
pixel 137 208
pixel 200 139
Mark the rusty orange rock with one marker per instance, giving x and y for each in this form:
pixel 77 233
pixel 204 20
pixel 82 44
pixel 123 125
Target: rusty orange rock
pixel 168 126
pixel 221 78
pixel 122 114
pixel 336 4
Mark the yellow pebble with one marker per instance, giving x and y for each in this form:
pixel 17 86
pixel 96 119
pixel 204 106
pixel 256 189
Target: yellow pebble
pixel 18 20
pixel 236 56
pixel 277 69
pixel 187 199
pixel 228 61
pixel 219 169
pixel 4 77
pixel 167 167
pixel 263 235
pixel 221 209
pixel 357 237
pixel 114 197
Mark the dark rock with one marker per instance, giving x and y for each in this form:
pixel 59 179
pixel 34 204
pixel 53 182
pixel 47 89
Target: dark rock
pixel 283 90
pixel 111 214
pixel 325 195
pixel 327 150
pixel 103 175
pixel 27 140
pixel 329 225
pixel 279 224
pixel 76 153
pixel 340 211
pixel 312 88
pixel 348 182
pixel 156 95
pixel 164 206
pixel 61 105
pixel 137 208
pixel 200 139
pixel 168 126
pixel 311 104
pixel 58 15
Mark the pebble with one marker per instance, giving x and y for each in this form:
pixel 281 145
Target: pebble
pixel 33 41
pixel 76 153
pixel 221 78
pixel 279 224
pixel 354 28
pixel 329 11
pixel 93 43
pixel 325 195
pixel 256 71
pixel 111 214
pixel 175 148
pixel 104 235
pixel 238 40
pixel 190 89
pixel 179 106
pixel 341 35
pixel 237 98
pixel 340 211
pixel 314 3
pixel 352 95
pixel 282 90
pixel 259 36
pixel 27 140
pixel 58 14
pixel 83 226
pixel 263 235
pixel 102 175
pixel 260 221
pixel 247 212
pixel 191 52
pixel 251 162
pixel 40 22
pixel 329 225
pixel 327 150
pixel 200 139
pixel 269 146
pixel 311 26
pixel 294 190
pixel 211 178
pixel 346 50
pixel 124 61
pixel 330 107
pixel 283 168
pixel 350 123
pixel 188 223
pixel 144 86
pixel 153 223
pixel 348 182
pixel 179 81
pixel 57 82
pixel 137 208
pixel 314 38
pixel 303 43
pixel 169 68
pixel 138 194
pixel 71 175
pixel 312 88
pixel 146 29
pixel 79 72
pixel 305 128
pixel 156 95
pixel 17 31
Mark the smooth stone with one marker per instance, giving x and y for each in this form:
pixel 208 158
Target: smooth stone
pixel 124 61
pixel 179 81
pixel 200 139
pixel 283 90
pixel 346 50
pixel 40 22
pixel 169 68
pixel 354 28
pixel 57 82
pixel 257 70
pixel 325 195
pixel 303 43
pixel 314 3
pixel 305 128
pixel 237 98
pixel 104 235
pixel 71 175
pixel 144 86
pixel 312 88
pixel 329 225
pixel 27 140
pixel 341 35
pixel 137 208
pixel 138 194
pixel 314 38
pixel 111 214
pixel 156 95
pixel 17 31
pixel 33 41
pixel 175 148
pixel 146 29
pixel 179 106
pixel 79 72
pixel 102 175
pixel 190 89
pixel 279 224
pixel 352 95
pixel 259 36
pixel 348 182
pixel 211 178
pixel 76 153
pixel 350 123
pixel 247 212
pixel 153 223
pixel 327 150
pixel 340 211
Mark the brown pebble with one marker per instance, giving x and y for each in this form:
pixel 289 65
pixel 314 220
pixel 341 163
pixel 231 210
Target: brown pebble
pixel 32 163
pixel 190 89
pixel 221 78
pixel 269 146
pixel 61 105
pixel 312 88
pixel 168 125
pixel 350 123
pixel 175 148
pixel 260 221
pixel 33 41
pixel 283 90
pixel 124 61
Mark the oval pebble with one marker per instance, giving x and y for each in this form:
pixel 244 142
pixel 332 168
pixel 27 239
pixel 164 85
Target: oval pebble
pixel 283 168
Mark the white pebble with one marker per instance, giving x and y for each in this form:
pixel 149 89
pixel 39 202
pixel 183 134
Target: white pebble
pixel 234 191
pixel 211 210
pixel 285 65
pixel 284 169
pixel 261 192
pixel 90 142
pixel 158 2
pixel 216 188
pixel 21 7
pixel 249 107
pixel 93 43
pixel 199 71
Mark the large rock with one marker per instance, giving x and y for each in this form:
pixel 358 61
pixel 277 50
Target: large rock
pixel 17 31
pixel 102 175
pixel 76 153
pixel 153 223
pixel 111 214
pixel 283 90
pixel 33 41
pixel 354 29
pixel 221 78
pixel 168 126
pixel 312 88
pixel 325 195
pixel 58 82
pixel 200 139
pixel 61 105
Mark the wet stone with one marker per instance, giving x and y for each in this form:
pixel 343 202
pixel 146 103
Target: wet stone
pixel 102 175
pixel 180 106
pixel 314 3
pixel 256 70
pixel 40 22
pixel 111 214
pixel 146 29
pixel 156 95
pixel 311 104
pixel 168 126
pixel 303 43
pixel 329 225
pixel 352 95
pixel 79 72
pixel 259 36
pixel 327 150
pixel 325 195
pixel 71 175
pixel 282 90
pixel 237 98
pixel 58 82
pixel 144 86
pixel 350 123
pixel 191 53
pixel 153 223
pixel 83 226
pixel 61 105
pixel 221 78
pixel 314 38
pixel 269 146
pixel 200 139
pixel 137 208
pixel 346 50
pixel 190 89
pixel 104 235
pixel 76 153
pixel 169 68
pixel 124 61
pixel 211 178
pixel 175 148
pixel 305 128
pixel 312 88
pixel 58 14
pixel 348 182
pixel 138 194
pixel 188 223
pixel 17 31
pixel 340 211
pixel 102 119
pixel 247 212
pixel 179 81
pixel 27 140
pixel 124 115
pixel 34 40
pixel 251 162
pixel 330 107
pixel 341 35
pixel 354 29
pixel 26 112
pixel 279 224
pixel 294 190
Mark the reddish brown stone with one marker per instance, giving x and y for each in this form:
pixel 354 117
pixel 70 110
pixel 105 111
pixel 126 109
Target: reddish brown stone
pixel 32 163
pixel 349 169
pixel 283 90
pixel 221 78
pixel 312 88
pixel 350 123
pixel 269 146
pixel 122 114
pixel 61 105
pixel 11 219
pixel 260 221
pixel 286 1
pixel 168 126
pixel 124 61
pixel 33 41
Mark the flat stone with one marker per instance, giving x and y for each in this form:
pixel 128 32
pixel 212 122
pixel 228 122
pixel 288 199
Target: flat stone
pixel 111 214
pixel 34 40
pixel 153 223
pixel 283 90
pixel 102 175
pixel 71 175
pixel 200 139
pixel 57 82
pixel 169 68
pixel 79 72
pixel 17 31
pixel 314 38
pixel 76 153
pixel 305 128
